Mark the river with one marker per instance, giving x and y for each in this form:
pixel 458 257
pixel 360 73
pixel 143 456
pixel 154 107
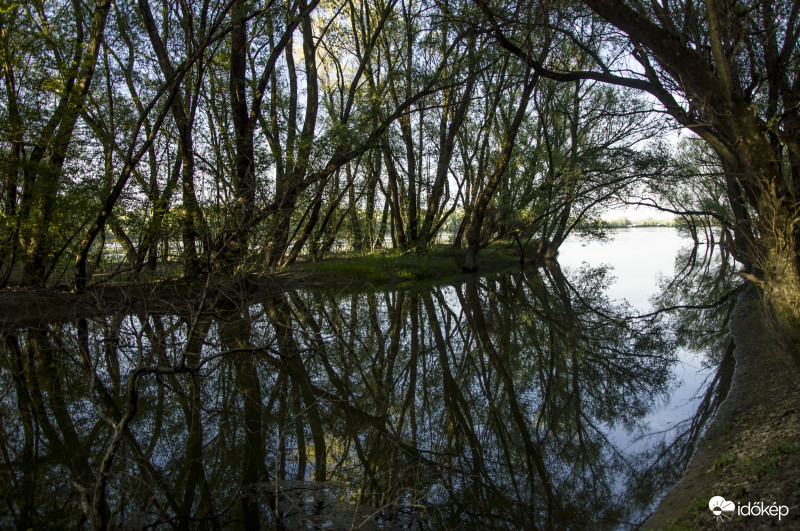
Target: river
pixel 535 398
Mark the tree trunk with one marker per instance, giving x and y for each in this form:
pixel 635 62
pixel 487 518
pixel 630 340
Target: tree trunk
pixel 473 232
pixel 53 141
pixel 779 260
pixel 244 171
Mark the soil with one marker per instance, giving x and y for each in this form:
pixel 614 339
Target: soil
pixel 750 453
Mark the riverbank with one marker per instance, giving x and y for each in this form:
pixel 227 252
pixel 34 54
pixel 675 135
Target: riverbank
pixel 382 269
pixel 751 451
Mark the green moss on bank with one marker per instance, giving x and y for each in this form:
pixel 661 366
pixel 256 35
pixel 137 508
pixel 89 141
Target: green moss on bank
pixel 395 266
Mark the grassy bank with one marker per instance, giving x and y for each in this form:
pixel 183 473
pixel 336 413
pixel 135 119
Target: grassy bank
pixel 397 267
pixel 165 290
pixel 625 223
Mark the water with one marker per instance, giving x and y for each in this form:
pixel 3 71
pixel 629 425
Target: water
pixel 504 401
pixel 638 257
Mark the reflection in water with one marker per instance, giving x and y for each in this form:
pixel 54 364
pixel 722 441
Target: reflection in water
pixel 486 403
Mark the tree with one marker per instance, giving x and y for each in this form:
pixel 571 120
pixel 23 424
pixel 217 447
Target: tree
pixel 168 90
pixel 63 42
pixel 184 109
pixel 728 72
pixel 508 133
pixel 739 80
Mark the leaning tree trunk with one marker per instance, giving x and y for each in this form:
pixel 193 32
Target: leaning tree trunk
pixel 779 259
pixel 764 187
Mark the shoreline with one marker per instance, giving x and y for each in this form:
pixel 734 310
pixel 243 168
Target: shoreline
pixel 750 452
pixel 26 306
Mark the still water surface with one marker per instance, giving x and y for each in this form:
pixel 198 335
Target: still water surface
pixel 640 260
pixel 639 257
pixel 527 399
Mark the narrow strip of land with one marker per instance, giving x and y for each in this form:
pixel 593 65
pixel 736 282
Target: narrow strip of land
pixel 751 451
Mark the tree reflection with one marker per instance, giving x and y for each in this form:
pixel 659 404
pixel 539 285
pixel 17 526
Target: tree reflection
pixel 696 303
pixel 492 402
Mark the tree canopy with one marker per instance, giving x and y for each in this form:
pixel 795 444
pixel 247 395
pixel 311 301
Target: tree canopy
pixel 230 136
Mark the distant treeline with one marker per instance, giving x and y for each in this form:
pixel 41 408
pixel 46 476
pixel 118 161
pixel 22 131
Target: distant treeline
pixel 624 222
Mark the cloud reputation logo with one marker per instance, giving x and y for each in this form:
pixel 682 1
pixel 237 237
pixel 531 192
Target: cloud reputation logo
pixel 722 509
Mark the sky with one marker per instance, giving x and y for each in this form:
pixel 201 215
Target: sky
pixel 636 213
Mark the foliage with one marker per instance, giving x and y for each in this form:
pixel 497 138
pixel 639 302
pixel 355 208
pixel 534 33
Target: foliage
pixel 245 136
